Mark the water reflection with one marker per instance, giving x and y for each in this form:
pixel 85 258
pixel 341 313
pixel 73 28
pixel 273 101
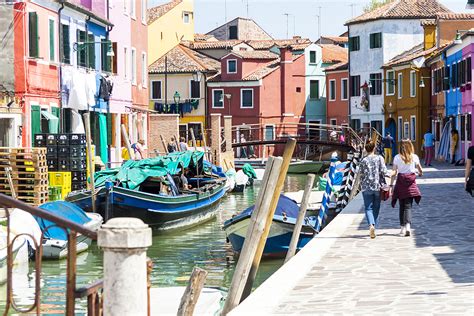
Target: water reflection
pixel 173 254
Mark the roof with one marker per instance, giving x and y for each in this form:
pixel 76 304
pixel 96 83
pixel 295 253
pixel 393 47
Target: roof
pixel 428 22
pixel 267 44
pixel 258 74
pixel 255 54
pixel 182 60
pixel 340 66
pixel 156 12
pixel 413 53
pixel 212 44
pixel 336 39
pixel 455 16
pixel 333 53
pixel 403 9
pixel 203 37
pixel 237 19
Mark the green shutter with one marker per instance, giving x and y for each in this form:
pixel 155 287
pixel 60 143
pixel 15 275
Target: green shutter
pixel 66 50
pixel 81 48
pixel 51 40
pixel 35 121
pixel 56 111
pixel 33 34
pixel 314 89
pixel 90 51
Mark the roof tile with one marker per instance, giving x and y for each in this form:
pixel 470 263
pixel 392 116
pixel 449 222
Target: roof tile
pixel 156 12
pixel 267 44
pixel 333 53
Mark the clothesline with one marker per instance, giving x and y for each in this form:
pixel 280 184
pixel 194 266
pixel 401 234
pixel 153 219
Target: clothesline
pixel 177 108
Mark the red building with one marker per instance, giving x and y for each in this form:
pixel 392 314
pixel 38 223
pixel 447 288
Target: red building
pixel 36 55
pixel 337 92
pixel 259 88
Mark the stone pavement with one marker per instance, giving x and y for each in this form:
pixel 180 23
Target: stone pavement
pixel 430 273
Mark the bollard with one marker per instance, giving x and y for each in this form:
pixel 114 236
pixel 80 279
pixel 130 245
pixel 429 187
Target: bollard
pixel 124 241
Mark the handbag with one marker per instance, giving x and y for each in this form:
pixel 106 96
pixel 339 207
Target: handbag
pixel 384 188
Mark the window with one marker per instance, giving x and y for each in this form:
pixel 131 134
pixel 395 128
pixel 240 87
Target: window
pixel 406 130
pixel 106 61
pixel 446 81
pixel 143 13
pixel 81 49
pixel 314 89
pixel 156 90
pixel 231 66
pixel 186 17
pixel 269 132
pixel 134 66
pixel 33 34
pixel 90 48
pixel 233 32
pixel 344 89
pixel 195 89
pixel 333 121
pixel 125 62
pixel 400 128
pixel 355 86
pixel 400 85
pixel 413 128
pixel 463 127
pixel 355 124
pixel 312 57
pixel 468 70
pixel 390 82
pixel 132 9
pixel 469 127
pixel 463 71
pixel 354 43
pixel 65 44
pixel 376 82
pixel 377 125
pixel 412 84
pixel 332 90
pixel 246 98
pixel 144 70
pixel 51 40
pixel 298 89
pixel 375 40
pixel 217 98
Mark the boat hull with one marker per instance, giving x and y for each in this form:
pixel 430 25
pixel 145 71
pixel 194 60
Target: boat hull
pixel 278 240
pixel 307 166
pixel 160 212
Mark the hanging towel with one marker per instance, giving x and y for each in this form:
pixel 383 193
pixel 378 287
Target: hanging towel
pixel 77 127
pixel 78 94
pixel 91 89
pixel 103 137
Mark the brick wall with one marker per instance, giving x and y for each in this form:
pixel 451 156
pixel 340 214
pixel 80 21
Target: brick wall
pixel 165 125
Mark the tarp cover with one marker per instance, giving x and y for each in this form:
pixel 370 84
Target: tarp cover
pixel 248 170
pixel 134 172
pixel 63 209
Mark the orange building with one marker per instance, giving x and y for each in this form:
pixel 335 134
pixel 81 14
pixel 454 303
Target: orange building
pixel 337 92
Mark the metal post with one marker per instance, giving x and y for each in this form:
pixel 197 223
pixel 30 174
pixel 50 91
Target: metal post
pixel 87 124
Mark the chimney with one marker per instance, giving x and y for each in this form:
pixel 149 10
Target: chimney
pixel 429 33
pixel 286 80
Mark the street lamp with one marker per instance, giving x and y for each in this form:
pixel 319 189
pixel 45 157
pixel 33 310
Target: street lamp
pixel 458 37
pixel 176 97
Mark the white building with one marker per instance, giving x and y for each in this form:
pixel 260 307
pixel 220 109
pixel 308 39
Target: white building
pixel 375 38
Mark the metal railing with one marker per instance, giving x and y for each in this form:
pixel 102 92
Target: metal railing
pixel 92 292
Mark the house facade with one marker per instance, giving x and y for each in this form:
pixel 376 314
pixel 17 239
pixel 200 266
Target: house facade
pixel 337 91
pixel 375 38
pixel 240 29
pixel 168 25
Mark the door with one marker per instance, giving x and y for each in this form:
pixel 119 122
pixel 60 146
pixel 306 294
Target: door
pixel 391 127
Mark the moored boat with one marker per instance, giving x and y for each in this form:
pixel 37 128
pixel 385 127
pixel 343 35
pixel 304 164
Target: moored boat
pixel 308 166
pixel 281 229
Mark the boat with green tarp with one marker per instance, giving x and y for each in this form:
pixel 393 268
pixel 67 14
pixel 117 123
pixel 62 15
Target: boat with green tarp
pixel 155 190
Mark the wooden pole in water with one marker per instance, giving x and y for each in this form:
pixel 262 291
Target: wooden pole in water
pixel 254 232
pixel 192 292
pixel 287 154
pixel 8 171
pixel 206 153
pixel 164 144
pixel 127 142
pixel 301 214
pixel 191 131
pixel 87 124
pixel 178 148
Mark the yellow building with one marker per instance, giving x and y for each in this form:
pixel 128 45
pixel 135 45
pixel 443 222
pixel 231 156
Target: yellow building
pixel 168 25
pixel 178 85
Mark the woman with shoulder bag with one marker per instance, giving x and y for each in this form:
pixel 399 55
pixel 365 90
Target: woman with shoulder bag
pixel 372 170
pixel 469 175
pixel 405 166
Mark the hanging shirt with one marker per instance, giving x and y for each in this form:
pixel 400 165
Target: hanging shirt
pixel 429 140
pixel 78 92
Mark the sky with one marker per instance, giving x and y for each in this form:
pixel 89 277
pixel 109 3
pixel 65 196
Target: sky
pixel 302 14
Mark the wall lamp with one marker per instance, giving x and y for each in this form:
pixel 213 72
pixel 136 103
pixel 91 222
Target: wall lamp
pixel 458 37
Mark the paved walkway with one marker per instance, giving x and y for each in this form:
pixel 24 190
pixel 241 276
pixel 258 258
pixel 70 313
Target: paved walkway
pixel 431 272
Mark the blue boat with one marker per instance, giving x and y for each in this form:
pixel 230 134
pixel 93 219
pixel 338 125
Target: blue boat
pixel 136 190
pixel 281 229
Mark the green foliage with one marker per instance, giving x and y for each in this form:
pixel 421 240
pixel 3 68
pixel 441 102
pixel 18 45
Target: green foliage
pixel 374 4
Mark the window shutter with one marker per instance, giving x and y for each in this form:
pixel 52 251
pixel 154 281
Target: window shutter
pixel 114 59
pixel 90 51
pixel 56 111
pixel 51 40
pixel 33 34
pixel 35 121
pixel 66 50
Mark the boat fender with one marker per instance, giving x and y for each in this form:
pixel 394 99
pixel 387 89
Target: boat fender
pixel 284 216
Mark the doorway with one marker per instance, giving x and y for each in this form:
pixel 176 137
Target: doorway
pixel 391 127
pixel 6 131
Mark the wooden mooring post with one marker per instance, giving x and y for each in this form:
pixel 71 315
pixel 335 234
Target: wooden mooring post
pixel 164 144
pixel 254 233
pixel 87 123
pixel 301 214
pixel 127 142
pixel 192 292
pixel 191 131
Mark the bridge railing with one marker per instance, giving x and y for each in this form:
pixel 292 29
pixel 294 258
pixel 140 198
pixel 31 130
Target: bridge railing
pixel 92 292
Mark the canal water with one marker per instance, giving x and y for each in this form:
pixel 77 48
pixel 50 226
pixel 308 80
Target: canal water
pixel 174 255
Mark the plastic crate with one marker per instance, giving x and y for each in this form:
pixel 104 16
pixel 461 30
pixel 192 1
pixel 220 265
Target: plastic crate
pixel 55 193
pixel 77 139
pixel 51 139
pixel 62 180
pixel 63 139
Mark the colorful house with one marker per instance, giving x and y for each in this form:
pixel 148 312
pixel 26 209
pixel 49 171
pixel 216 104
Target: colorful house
pixel 375 38
pixel 240 29
pixel 168 25
pixel 259 87
pixel 178 85
pixel 337 91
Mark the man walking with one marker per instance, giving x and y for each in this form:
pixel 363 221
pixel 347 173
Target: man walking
pixel 387 148
pixel 428 145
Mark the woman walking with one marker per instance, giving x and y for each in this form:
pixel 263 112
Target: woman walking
pixel 405 166
pixel 372 169
pixel 454 145
pixel 469 174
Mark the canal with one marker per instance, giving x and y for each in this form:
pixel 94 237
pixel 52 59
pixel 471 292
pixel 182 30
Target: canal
pixel 174 255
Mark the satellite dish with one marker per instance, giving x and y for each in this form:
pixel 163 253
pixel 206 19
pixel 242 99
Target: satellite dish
pixel 418 62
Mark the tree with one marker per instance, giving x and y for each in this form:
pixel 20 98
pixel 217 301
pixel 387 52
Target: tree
pixel 374 4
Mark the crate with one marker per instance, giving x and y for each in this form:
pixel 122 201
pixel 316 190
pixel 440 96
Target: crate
pixel 77 139
pixel 52 164
pixel 62 180
pixel 63 139
pixel 63 164
pixel 52 151
pixel 51 139
pixel 54 193
pixel 40 140
pixel 77 186
pixel 77 164
pixel 78 176
pixel 63 151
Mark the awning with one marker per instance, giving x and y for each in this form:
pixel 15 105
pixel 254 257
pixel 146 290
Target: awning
pixel 53 121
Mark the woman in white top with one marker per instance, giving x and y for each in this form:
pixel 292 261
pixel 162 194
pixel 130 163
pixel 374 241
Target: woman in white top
pixel 405 167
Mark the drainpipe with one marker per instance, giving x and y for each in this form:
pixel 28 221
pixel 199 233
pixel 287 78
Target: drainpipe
pixel 61 113
pixel 206 110
pixel 109 29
